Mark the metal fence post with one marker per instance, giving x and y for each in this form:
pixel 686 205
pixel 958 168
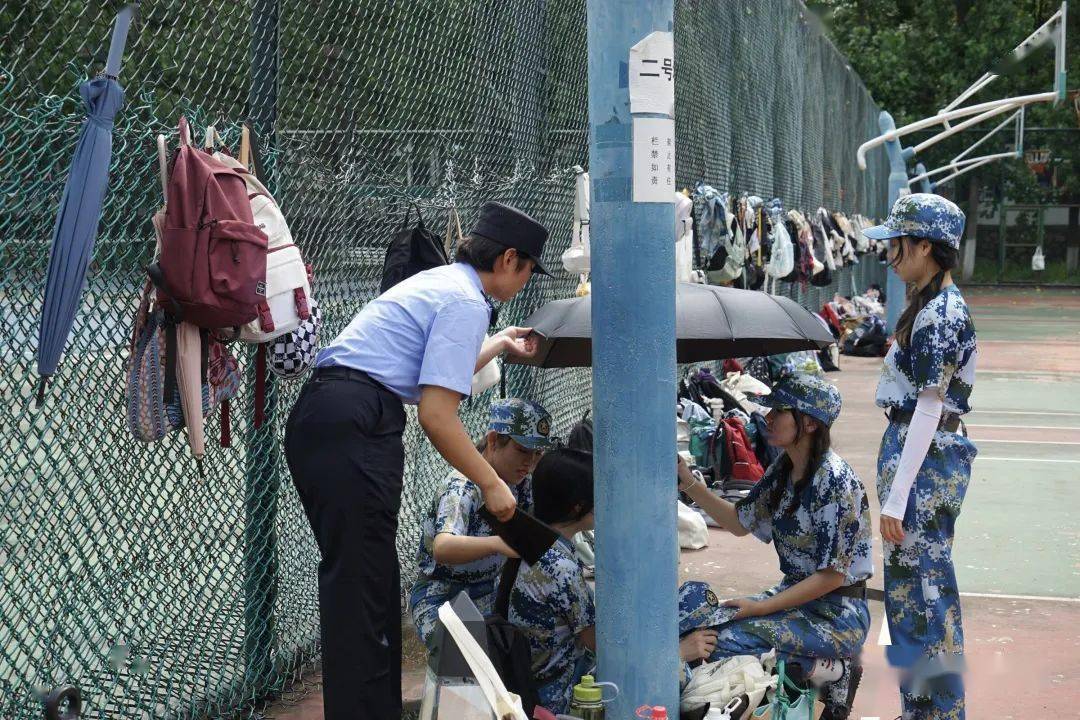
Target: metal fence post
pixel 262 478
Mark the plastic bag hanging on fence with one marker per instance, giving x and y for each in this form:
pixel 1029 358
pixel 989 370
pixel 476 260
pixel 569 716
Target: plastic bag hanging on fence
pixel 1038 260
pixel 577 258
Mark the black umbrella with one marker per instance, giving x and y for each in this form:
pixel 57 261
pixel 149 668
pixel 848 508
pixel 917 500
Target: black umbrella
pixel 711 323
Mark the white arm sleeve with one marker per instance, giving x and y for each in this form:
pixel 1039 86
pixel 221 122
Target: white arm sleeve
pixel 924 423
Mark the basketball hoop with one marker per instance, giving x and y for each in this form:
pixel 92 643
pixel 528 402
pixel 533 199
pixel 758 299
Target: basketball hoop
pixel 1037 160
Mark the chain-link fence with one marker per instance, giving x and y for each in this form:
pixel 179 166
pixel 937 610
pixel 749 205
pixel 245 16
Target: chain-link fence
pixel 163 595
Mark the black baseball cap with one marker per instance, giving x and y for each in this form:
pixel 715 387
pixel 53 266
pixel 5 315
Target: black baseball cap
pixel 513 229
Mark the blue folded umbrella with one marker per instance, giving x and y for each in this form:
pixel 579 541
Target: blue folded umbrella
pixel 80 209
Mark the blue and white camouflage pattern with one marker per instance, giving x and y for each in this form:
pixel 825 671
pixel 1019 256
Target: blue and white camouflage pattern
pixel 942 353
pixel 809 394
pixel 922 601
pixel 526 422
pixel 829 528
pixel 455 511
pixel 551 602
pixel 922 215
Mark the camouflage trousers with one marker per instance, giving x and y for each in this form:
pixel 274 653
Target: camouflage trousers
pixel 427 596
pixel 831 627
pixel 922 601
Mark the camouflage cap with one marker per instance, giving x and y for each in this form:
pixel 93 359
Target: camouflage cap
pixel 700 608
pixel 528 423
pixel 922 215
pixel 809 394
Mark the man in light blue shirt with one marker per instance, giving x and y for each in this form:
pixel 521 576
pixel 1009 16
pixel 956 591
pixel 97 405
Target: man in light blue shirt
pixel 418 343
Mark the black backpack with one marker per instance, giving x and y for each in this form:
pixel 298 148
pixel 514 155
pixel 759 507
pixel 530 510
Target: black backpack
pixel 411 251
pixel 508 647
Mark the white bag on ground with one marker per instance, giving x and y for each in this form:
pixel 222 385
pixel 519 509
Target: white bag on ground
pixel 693 532
pixel 718 682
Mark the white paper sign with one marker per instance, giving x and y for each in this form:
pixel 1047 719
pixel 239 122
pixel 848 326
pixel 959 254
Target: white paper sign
pixel 652 75
pixel 654 160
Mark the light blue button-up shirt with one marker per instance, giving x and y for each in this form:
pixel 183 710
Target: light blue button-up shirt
pixel 426 330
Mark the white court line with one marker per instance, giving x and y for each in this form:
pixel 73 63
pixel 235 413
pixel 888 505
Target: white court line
pixel 1026 427
pixel 1012 459
pixel 1041 598
pixel 1025 412
pixel 1022 442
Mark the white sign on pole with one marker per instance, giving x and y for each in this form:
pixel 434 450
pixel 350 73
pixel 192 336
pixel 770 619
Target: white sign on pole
pixel 652 75
pixel 654 160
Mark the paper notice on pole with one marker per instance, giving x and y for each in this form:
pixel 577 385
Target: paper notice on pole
pixel 654 160
pixel 652 75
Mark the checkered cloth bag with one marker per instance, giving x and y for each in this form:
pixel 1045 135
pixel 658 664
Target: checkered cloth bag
pixel 292 354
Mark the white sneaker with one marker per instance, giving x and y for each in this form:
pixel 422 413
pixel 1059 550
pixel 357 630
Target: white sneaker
pixel 826 671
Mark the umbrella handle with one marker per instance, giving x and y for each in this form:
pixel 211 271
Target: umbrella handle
pixel 41 391
pixel 119 39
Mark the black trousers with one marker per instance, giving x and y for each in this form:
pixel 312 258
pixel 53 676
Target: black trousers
pixel 344 449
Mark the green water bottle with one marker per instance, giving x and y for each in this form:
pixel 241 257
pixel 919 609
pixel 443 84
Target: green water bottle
pixel 587 702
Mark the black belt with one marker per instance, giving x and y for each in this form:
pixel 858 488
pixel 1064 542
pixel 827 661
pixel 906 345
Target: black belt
pixel 340 372
pixel 859 591
pixel 949 422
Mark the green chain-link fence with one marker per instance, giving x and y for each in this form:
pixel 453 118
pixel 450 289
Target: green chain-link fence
pixel 165 596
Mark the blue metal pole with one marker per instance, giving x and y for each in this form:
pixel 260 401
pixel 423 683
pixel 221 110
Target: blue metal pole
pixel 924 184
pixel 898 178
pixel 634 380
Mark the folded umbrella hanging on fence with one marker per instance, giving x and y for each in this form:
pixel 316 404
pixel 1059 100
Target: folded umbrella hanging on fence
pixel 80 208
pixel 711 323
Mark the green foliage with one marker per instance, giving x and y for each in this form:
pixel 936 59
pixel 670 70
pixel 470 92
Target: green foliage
pixel 915 57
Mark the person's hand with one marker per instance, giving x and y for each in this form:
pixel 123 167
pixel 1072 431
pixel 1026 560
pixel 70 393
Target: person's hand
pixel 698 645
pixel 500 547
pixel 519 341
pixel 685 475
pixel 747 608
pixel 892 529
pixel 499 500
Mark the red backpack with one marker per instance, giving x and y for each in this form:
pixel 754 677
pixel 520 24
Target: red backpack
pixel 741 462
pixel 213 256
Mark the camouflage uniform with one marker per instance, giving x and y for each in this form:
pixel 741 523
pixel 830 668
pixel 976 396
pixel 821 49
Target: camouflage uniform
pixel 454 511
pixel 922 600
pixel 829 528
pixel 552 603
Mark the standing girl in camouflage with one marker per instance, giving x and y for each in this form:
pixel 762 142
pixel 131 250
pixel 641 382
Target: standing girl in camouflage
pixel 813 507
pixel 458 550
pixel 924 465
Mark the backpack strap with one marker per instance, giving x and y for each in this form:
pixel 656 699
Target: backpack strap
pixel 506 585
pixel 185 131
pixel 266 318
pixel 303 309
pixel 260 385
pixel 226 434
pixel 163 166
pixel 170 360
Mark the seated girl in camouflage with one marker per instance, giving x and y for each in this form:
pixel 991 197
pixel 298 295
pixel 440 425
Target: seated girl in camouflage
pixel 551 601
pixel 813 506
pixel 458 550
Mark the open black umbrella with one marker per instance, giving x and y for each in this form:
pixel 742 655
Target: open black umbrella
pixel 711 323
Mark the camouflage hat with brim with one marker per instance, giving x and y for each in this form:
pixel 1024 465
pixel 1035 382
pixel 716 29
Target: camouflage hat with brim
pixel 526 422
pixel 922 215
pixel 809 394
pixel 699 607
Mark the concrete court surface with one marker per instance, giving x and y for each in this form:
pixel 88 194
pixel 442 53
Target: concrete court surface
pixel 1017 548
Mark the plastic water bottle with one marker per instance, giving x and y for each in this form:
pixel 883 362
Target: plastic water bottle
pixel 588 700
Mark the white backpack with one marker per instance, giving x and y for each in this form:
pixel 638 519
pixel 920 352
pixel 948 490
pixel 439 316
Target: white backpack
pixel 288 288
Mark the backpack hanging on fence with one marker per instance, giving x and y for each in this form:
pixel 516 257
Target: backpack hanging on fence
pixel 411 250
pixel 212 266
pixel 154 404
pixel 287 299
